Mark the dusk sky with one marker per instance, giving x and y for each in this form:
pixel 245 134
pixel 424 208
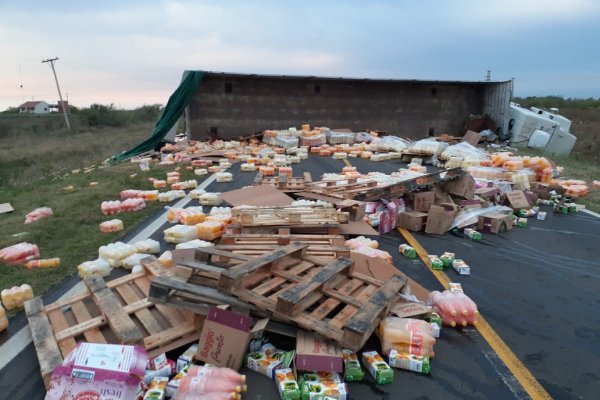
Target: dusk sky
pixel 132 53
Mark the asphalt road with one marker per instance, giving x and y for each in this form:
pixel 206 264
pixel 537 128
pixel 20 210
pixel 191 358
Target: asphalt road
pixel 536 286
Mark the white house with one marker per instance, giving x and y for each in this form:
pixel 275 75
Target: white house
pixel 35 107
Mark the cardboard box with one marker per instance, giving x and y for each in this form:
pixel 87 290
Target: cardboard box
pixel 472 138
pixel 423 200
pixel 412 220
pixel 487 192
pixel 314 353
pixel 463 186
pixel 225 337
pixel 100 372
pixel 494 223
pixel 517 200
pixel 440 218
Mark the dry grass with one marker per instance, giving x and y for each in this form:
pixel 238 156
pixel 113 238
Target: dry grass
pixel 28 157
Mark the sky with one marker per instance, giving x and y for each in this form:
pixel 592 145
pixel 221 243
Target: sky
pixel 131 53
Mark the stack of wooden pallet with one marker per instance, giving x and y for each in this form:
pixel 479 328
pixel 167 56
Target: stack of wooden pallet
pixel 284 183
pixel 371 191
pixel 287 219
pixel 325 295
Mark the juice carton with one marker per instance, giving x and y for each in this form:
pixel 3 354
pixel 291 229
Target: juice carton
pixel 352 369
pixel 436 262
pixel 322 385
pixel 407 251
pixel 447 259
pixel 287 385
pixel 461 267
pixel 157 389
pixel 409 362
pixel 472 234
pixel 379 369
pixel 268 359
pixel 186 358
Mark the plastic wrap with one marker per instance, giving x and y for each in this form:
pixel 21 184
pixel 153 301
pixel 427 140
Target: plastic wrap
pixel 148 246
pixel 19 253
pixel 194 244
pixel 340 137
pixel 131 261
pixel 469 216
pixel 210 230
pixel 210 199
pixel 114 253
pixel 464 150
pixel 429 146
pixel 406 335
pixel 181 233
pixel 392 143
pixel 114 225
pixel 16 296
pixel 97 267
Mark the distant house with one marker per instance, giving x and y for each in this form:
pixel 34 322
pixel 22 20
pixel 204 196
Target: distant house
pixel 34 107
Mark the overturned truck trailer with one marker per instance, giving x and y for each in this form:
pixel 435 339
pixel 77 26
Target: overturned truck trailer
pixel 229 105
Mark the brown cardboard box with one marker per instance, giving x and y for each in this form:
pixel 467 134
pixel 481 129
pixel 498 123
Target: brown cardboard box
pixel 472 138
pixel 225 337
pixel 494 223
pixel 440 218
pixel 517 200
pixel 412 220
pixel 487 192
pixel 314 353
pixel 463 186
pixel 423 200
pixel 441 196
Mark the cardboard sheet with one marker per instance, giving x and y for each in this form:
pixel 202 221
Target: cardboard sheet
pixel 472 138
pixel 357 228
pixel 263 195
pixel 382 270
pixel 6 208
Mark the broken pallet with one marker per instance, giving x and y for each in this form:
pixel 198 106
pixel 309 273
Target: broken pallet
pixel 326 296
pixel 117 311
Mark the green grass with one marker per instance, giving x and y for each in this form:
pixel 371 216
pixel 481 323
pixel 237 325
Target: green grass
pixel 576 167
pixel 72 232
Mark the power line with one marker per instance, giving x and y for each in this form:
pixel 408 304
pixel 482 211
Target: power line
pixel 62 104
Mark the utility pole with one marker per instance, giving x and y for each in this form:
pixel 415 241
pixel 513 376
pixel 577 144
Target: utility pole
pixel 488 76
pixel 62 104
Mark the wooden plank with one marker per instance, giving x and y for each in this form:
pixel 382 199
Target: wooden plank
pixel 172 315
pixel 144 315
pixel 60 323
pixel 80 328
pixel 289 300
pixel 347 288
pixel 215 252
pixel 363 323
pixel 232 278
pixel 82 314
pixel 161 338
pixel 46 347
pixel 208 295
pixel 121 324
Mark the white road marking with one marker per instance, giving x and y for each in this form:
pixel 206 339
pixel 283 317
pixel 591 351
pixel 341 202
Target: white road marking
pixel 15 345
pixel 508 378
pixel 595 214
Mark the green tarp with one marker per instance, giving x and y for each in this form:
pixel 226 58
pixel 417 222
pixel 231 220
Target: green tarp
pixel 170 115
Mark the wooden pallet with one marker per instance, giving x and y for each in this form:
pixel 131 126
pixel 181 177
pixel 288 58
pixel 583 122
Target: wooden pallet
pixel 332 188
pixel 397 189
pixel 117 311
pixel 283 182
pixel 326 296
pixel 312 229
pixel 274 216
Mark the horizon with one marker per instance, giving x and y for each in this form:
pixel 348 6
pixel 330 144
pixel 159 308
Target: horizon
pixel 134 54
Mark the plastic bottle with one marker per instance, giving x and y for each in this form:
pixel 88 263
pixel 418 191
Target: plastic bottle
pixel 406 335
pixel 48 263
pixel 3 319
pixel 19 253
pixel 148 246
pixel 201 381
pixel 407 251
pixel 206 396
pixel 181 233
pixel 455 308
pixel 110 207
pixel 37 214
pixel 15 297
pixel 97 267
pixel 114 225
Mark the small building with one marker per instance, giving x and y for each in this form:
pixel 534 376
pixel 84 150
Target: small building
pixel 34 107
